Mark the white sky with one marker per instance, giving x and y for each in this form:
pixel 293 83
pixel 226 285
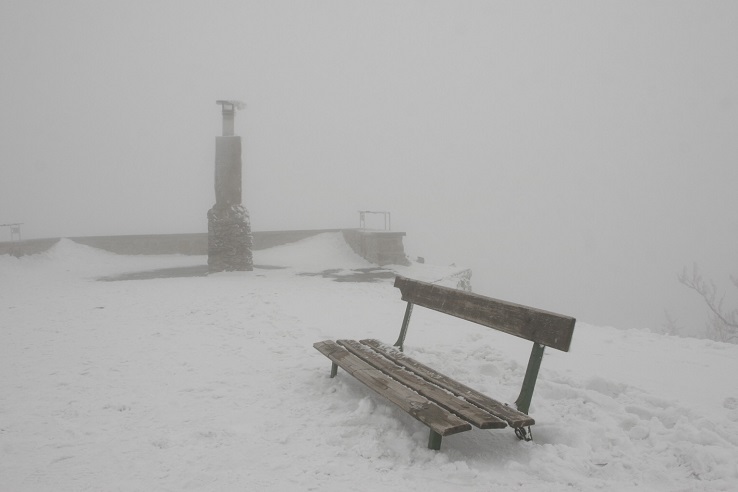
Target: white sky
pixel 576 155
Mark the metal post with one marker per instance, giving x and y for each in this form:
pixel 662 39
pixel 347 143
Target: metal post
pixel 229 116
pixel 405 322
pixel 15 230
pixel 15 238
pixel 434 440
pixel 531 374
pixel 387 219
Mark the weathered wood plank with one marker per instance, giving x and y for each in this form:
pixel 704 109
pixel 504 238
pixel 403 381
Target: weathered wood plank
pixel 510 415
pixel 326 347
pixel 419 407
pixel 550 329
pixel 439 396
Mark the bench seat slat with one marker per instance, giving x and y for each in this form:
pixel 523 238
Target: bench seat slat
pixel 440 396
pixel 419 407
pixel 513 417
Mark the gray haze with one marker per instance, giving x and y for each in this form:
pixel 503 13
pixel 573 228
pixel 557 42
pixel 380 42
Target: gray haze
pixel 576 155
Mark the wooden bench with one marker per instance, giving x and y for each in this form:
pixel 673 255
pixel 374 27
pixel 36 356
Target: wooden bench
pixel 443 404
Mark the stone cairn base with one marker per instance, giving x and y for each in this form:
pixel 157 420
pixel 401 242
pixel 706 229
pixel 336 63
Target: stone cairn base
pixel 229 239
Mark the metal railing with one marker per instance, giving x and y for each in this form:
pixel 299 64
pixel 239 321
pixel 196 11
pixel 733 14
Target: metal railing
pixel 387 219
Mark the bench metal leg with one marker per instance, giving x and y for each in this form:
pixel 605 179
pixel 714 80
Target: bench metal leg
pixel 403 331
pixel 531 374
pixel 434 440
pixel 334 369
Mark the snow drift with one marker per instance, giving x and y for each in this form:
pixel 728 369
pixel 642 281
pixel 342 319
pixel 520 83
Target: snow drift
pixel 211 383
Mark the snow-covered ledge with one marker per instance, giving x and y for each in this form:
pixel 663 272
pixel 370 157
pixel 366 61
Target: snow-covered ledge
pixel 380 247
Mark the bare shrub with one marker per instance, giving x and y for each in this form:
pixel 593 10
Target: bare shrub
pixel 722 324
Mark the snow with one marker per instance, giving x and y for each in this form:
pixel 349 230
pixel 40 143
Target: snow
pixel 212 383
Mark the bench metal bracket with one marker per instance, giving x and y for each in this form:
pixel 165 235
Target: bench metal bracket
pixel 434 440
pixel 524 435
pixel 531 374
pixel 403 331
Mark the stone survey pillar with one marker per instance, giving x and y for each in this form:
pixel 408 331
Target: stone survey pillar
pixel 229 226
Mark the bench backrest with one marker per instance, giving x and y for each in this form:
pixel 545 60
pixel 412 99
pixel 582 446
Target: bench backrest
pixel 549 329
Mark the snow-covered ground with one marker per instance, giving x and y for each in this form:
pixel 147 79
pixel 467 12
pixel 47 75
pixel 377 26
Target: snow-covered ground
pixel 212 383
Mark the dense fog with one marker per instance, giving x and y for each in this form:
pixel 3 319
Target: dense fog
pixel 576 155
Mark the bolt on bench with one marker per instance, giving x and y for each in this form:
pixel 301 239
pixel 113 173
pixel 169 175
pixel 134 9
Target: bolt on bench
pixel 447 406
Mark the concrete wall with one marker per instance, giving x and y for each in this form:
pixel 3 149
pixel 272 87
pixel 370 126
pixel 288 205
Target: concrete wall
pixel 379 247
pixel 162 244
pixel 151 244
pixel 27 247
pixel 269 239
